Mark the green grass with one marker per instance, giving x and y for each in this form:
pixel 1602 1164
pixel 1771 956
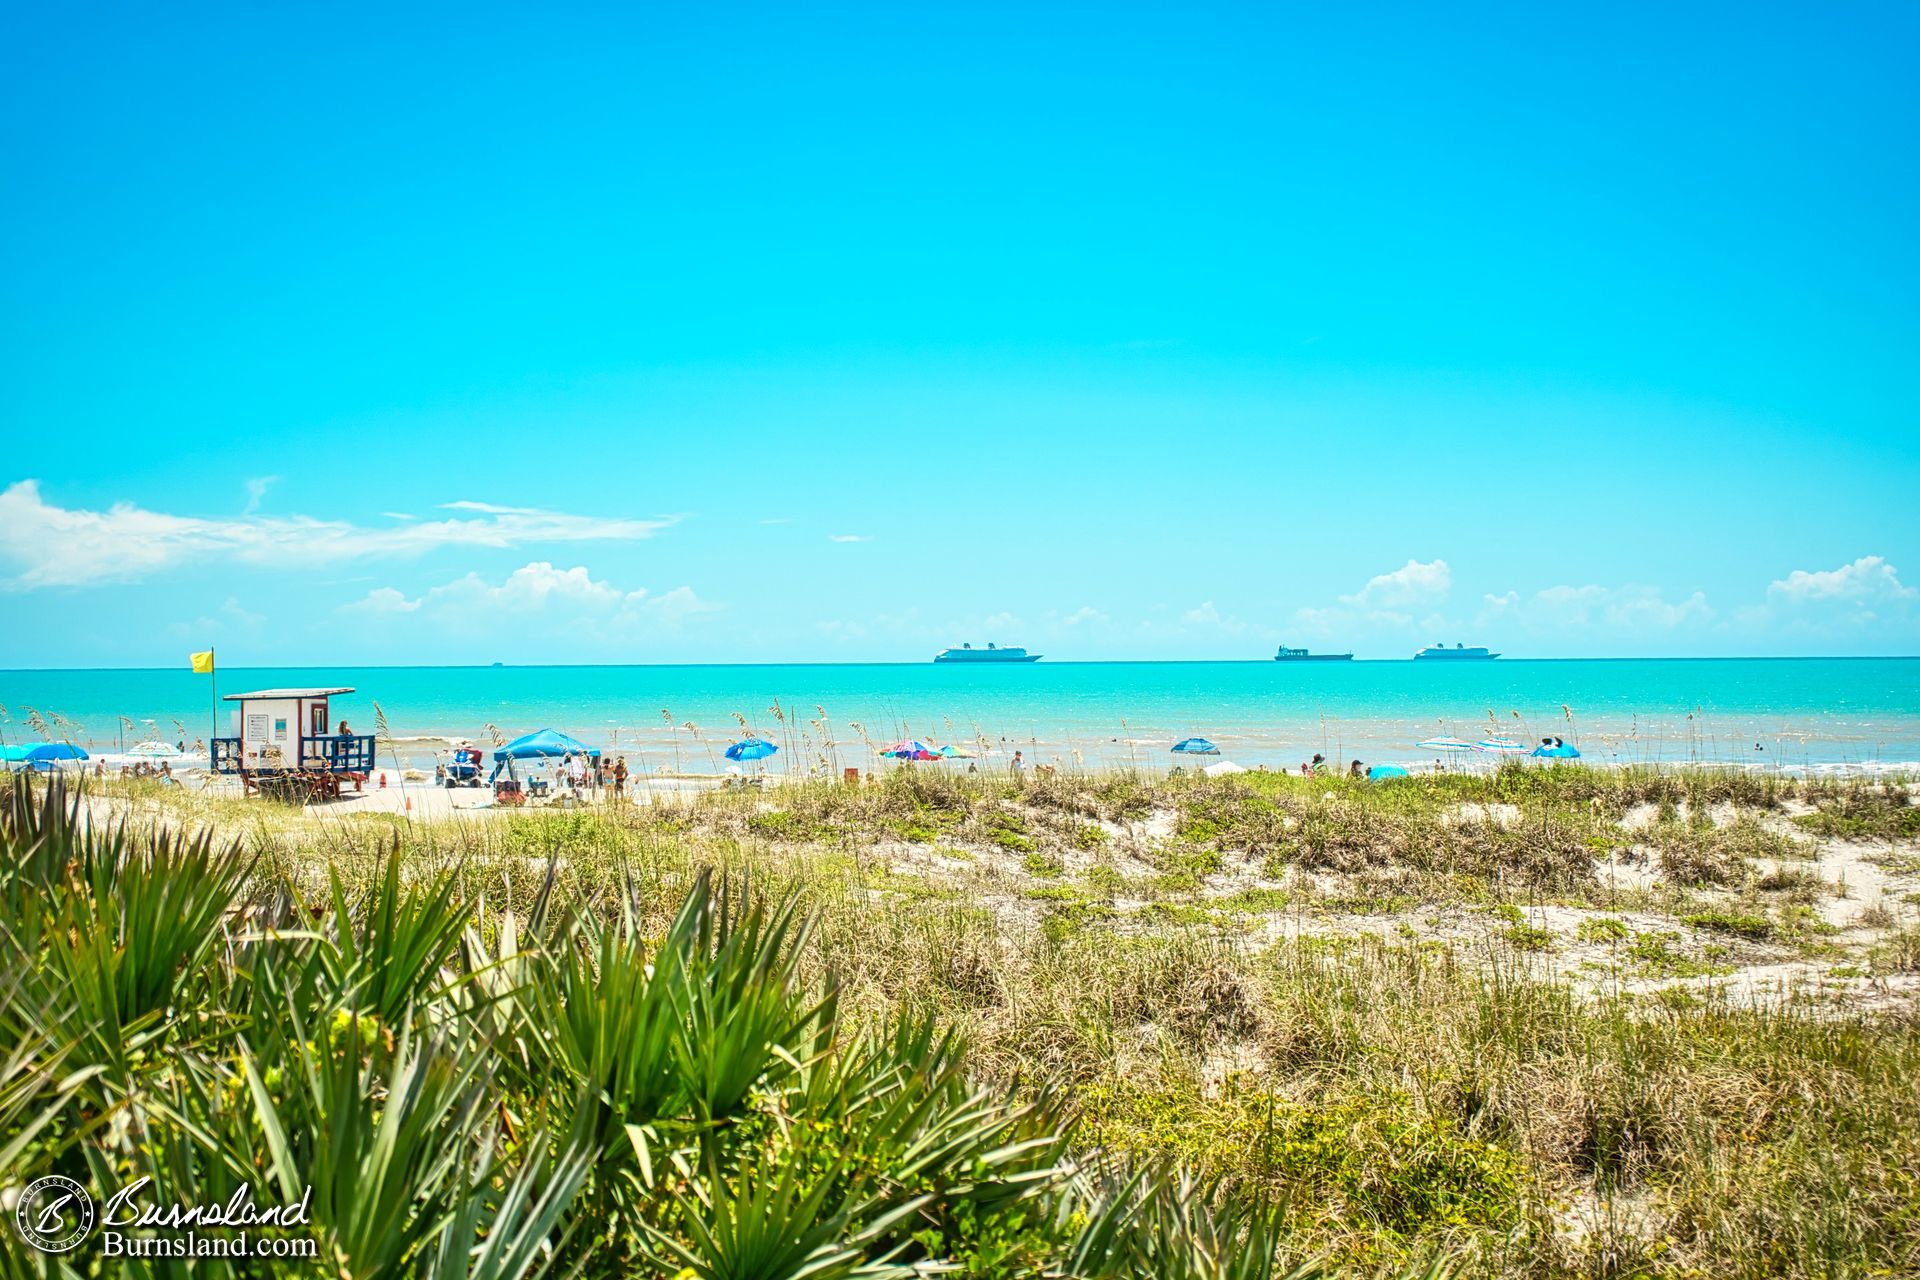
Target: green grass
pixel 1744 924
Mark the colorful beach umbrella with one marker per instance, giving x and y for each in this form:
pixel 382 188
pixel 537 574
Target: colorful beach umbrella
pixel 751 749
pixel 1195 747
pixel 951 752
pixel 1445 744
pixel 911 749
pixel 1387 771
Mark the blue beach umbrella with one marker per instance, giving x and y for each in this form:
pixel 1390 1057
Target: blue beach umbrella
pixel 1387 771
pixel 751 749
pixel 47 754
pixel 1561 752
pixel 1195 747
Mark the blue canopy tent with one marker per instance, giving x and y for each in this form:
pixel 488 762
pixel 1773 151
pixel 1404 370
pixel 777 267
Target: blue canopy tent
pixel 1387 771
pixel 751 749
pixel 1195 747
pixel 547 744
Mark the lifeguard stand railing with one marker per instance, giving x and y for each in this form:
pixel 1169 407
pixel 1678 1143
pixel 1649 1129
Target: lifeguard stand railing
pixel 336 754
pixel 329 754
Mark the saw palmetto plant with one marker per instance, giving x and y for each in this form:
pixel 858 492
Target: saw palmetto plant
pixel 461 1090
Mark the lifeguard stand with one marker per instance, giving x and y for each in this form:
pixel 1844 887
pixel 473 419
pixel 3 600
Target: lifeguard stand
pixel 282 746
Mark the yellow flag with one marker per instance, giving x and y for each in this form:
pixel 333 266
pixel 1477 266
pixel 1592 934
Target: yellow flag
pixel 203 663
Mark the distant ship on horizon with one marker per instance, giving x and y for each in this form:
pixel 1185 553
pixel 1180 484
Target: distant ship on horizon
pixel 1302 655
pixel 992 653
pixel 1457 653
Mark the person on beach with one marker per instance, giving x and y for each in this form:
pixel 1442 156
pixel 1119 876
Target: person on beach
pixel 578 772
pixel 344 731
pixel 620 776
pixel 1319 764
pixel 1357 770
pixel 1019 767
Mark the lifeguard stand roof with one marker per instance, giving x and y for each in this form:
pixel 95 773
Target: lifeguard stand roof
pixel 284 693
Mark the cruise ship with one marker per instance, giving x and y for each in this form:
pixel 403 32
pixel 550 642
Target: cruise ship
pixel 1301 655
pixel 992 653
pixel 1458 652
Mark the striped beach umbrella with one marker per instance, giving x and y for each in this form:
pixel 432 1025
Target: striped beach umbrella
pixel 1445 744
pixel 1195 747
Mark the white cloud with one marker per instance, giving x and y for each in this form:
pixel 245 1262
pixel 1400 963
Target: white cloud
pixel 54 546
pixel 1086 614
pixel 848 537
pixel 256 490
pixel 1627 608
pixel 1208 615
pixel 1868 578
pixel 1411 584
pixel 564 600
pixel 778 520
pixel 489 508
pixel 232 619
pixel 383 600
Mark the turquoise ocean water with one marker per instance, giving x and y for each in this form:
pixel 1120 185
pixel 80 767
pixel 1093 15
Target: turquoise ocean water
pixel 1799 713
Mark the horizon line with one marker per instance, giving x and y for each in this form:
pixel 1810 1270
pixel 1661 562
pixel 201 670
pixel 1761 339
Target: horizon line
pixel 1028 666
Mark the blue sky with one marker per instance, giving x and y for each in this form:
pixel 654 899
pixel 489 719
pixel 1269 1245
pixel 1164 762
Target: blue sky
pixel 344 334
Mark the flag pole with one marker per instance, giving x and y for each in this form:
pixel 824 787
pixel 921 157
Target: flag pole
pixel 213 674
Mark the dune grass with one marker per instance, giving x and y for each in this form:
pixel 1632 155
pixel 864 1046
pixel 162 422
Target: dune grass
pixel 948 1027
